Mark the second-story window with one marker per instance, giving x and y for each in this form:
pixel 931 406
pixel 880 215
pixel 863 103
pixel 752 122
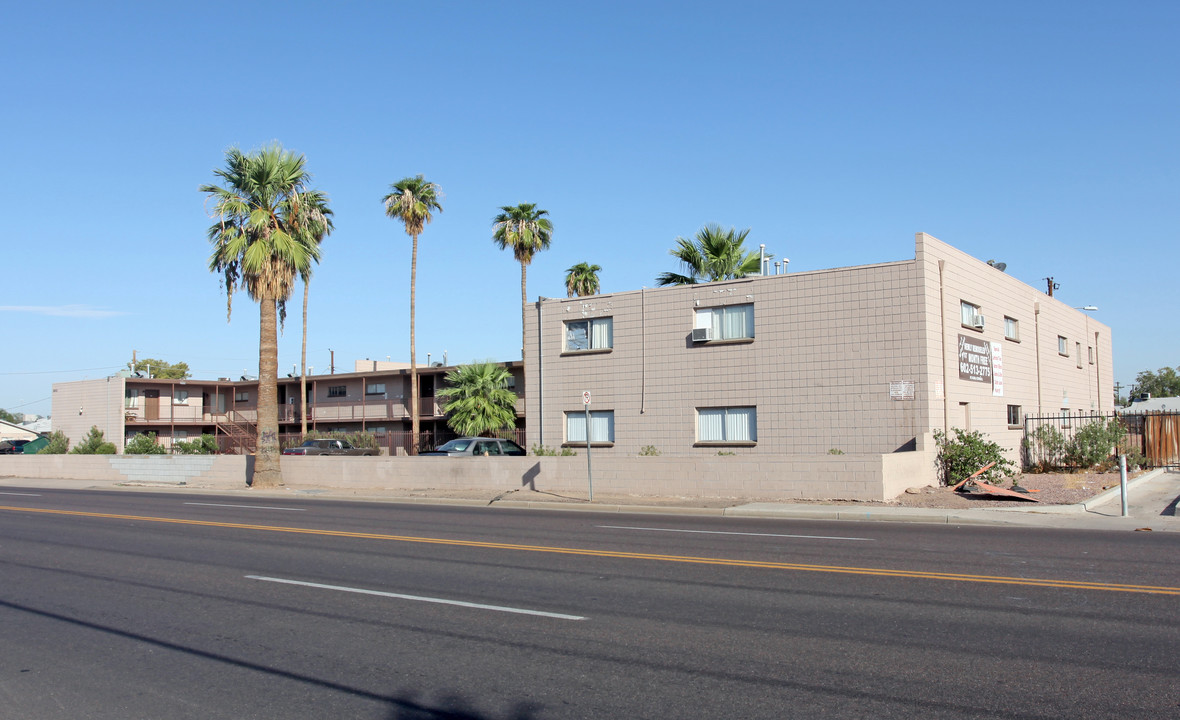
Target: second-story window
pixel 337 391
pixel 1011 328
pixel 591 334
pixel 242 396
pixel 375 389
pixel 1062 346
pixel 970 315
pixel 731 322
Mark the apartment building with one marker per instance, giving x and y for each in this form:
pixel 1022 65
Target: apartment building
pixel 368 400
pixel 867 359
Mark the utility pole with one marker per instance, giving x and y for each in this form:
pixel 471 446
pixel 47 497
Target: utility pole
pixel 1118 389
pixel 1052 285
pixel 332 362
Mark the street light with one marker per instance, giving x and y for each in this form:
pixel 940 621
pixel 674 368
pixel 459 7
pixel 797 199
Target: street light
pixel 1088 308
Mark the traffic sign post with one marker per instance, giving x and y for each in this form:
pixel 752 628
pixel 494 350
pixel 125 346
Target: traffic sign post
pixel 589 472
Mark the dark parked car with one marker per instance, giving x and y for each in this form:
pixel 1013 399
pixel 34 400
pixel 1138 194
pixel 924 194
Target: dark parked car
pixel 328 447
pixel 13 447
pixel 469 446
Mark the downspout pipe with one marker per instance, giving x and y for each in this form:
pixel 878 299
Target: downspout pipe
pixel 540 373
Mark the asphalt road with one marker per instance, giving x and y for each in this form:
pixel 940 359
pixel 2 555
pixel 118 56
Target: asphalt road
pixel 130 605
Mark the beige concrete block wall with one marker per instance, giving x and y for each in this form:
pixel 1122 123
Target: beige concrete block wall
pixel 78 406
pixel 1036 377
pixel 226 472
pixel 827 346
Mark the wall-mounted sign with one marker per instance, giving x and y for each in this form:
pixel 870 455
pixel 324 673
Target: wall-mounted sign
pixel 975 360
pixel 997 371
pixel 901 390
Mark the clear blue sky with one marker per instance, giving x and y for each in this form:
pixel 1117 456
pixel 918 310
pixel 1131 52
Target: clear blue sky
pixel 1042 134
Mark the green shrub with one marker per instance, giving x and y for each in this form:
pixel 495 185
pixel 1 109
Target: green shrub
pixel 542 451
pixel 144 444
pixel 204 445
pixel 59 444
pixel 649 451
pixel 967 452
pixel 94 444
pixel 726 452
pixel 1094 443
pixel 1045 448
pixel 835 451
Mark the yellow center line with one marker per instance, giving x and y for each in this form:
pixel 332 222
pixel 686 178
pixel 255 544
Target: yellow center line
pixel 880 572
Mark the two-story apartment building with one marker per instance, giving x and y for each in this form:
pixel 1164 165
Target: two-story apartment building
pixel 368 400
pixel 867 359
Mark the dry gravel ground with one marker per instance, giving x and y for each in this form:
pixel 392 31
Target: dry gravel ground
pixel 1051 489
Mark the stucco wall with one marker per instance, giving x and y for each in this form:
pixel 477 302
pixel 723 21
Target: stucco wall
pixel 856 477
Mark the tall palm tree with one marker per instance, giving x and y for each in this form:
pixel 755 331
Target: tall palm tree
pixel 712 254
pixel 479 399
pixel 260 242
pixel 318 222
pixel 581 280
pixel 527 231
pixel 413 201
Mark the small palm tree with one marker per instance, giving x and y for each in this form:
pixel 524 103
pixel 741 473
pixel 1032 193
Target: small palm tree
pixel 260 242
pixel 318 223
pixel 527 231
pixel 479 399
pixel 712 254
pixel 413 201
pixel 581 280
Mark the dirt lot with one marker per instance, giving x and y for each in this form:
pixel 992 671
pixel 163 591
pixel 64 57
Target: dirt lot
pixel 1050 488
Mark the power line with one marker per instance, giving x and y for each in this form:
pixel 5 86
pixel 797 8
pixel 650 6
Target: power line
pixel 56 372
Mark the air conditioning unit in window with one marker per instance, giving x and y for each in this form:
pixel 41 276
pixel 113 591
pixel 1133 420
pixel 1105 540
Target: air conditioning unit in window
pixel 977 323
pixel 702 334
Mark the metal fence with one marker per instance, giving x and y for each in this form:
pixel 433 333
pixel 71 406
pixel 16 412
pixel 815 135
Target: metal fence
pixel 1153 438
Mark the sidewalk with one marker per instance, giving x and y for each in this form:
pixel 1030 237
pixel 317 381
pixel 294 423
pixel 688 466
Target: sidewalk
pixel 1152 504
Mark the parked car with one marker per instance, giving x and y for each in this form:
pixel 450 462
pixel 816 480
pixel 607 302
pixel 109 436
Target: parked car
pixel 469 446
pixel 12 447
pixel 328 447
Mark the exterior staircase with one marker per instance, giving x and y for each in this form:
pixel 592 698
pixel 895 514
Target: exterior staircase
pixel 241 435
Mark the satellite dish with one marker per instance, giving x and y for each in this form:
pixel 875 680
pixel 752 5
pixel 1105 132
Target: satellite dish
pixel 1001 266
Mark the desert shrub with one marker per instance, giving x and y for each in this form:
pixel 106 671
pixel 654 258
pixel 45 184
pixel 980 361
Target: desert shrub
pixel 1045 448
pixel 204 445
pixel 967 452
pixel 649 451
pixel 59 444
pixel 835 451
pixel 94 444
pixel 1094 443
pixel 542 451
pixel 143 444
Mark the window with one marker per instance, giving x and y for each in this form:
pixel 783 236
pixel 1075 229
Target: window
pixel 727 425
pixel 969 314
pixel 1011 328
pixel 242 396
pixel 511 382
pixel 1013 416
pixel 593 334
pixel 131 399
pixel 375 389
pixel 180 397
pixel 732 322
pixel 337 391
pixel 1079 353
pixel 180 434
pixel 1065 417
pixel 602 426
pixel 1062 346
pixel 1090 353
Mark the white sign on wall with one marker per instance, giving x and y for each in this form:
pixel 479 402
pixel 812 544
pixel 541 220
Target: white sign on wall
pixel 997 371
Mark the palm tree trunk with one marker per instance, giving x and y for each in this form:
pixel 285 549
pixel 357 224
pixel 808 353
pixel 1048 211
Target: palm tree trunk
pixel 303 370
pixel 413 355
pixel 524 301
pixel 267 472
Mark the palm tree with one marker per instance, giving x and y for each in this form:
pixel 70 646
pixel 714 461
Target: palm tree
pixel 527 231
pixel 480 401
pixel 712 254
pixel 581 280
pixel 319 224
pixel 260 242
pixel 413 201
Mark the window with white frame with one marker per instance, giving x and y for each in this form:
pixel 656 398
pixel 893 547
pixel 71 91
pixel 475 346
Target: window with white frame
pixel 731 322
pixel 1011 328
pixel 590 334
pixel 180 397
pixel 970 315
pixel 131 398
pixel 375 389
pixel 1090 353
pixel 727 425
pixel 1014 418
pixel 602 426
pixel 1078 351
pixel 1062 346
